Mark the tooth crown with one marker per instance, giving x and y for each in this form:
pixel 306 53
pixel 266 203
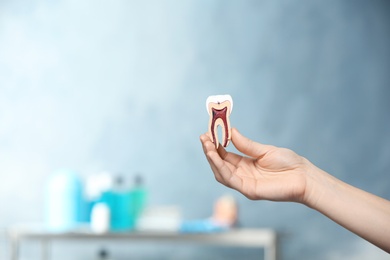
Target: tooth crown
pixel 219 108
pixel 218 99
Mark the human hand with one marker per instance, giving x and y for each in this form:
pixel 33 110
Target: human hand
pixel 278 174
pixel 267 172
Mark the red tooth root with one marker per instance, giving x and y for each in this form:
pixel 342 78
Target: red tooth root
pixel 220 116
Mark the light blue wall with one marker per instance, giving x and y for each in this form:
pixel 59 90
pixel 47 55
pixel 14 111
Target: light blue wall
pixel 121 86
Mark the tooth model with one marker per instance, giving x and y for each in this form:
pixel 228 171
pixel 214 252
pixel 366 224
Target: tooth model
pixel 219 108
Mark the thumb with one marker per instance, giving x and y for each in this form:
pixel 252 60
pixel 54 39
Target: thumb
pixel 247 146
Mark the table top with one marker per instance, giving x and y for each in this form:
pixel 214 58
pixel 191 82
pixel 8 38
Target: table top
pixel 245 237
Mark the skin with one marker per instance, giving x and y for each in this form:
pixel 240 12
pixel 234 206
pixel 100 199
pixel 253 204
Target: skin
pixel 266 172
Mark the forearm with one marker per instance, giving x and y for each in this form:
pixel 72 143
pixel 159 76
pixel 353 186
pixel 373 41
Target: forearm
pixel 362 213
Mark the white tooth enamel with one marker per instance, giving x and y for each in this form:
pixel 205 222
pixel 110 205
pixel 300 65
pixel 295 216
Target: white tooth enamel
pixel 219 99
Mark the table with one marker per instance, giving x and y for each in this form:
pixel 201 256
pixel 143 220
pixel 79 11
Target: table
pixel 251 238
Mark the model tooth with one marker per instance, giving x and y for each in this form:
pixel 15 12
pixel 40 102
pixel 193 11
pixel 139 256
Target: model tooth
pixel 219 108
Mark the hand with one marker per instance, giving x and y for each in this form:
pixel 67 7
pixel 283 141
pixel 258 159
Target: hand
pixel 279 174
pixel 268 172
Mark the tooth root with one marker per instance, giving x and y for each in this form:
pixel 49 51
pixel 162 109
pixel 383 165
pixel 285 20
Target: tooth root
pixel 220 118
pixel 219 111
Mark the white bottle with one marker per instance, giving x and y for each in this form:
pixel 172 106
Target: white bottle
pixel 100 218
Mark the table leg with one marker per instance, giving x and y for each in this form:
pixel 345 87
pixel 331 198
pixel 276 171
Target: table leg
pixel 271 251
pixel 45 249
pixel 14 248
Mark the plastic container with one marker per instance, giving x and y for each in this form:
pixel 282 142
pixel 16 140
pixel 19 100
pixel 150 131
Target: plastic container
pixel 100 218
pixel 119 200
pixel 65 206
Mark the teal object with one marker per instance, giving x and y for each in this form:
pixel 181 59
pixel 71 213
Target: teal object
pixel 139 198
pixel 64 201
pixel 120 204
pixel 125 204
pixel 138 203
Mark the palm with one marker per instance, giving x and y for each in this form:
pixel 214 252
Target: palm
pixel 273 174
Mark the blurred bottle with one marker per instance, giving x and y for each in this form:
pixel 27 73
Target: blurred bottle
pixel 225 211
pixel 96 186
pixel 139 198
pixel 120 200
pixel 65 205
pixel 100 218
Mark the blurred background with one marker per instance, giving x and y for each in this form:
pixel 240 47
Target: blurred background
pixel 120 86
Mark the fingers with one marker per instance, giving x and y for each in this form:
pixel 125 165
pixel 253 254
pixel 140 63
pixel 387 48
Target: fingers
pixel 222 169
pixel 247 146
pixel 204 138
pixel 209 150
pixel 229 157
pixel 226 156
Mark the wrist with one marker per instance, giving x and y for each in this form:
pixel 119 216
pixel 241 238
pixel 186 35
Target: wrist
pixel 317 183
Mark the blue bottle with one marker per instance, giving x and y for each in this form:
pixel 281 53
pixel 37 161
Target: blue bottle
pixel 64 201
pixel 119 200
